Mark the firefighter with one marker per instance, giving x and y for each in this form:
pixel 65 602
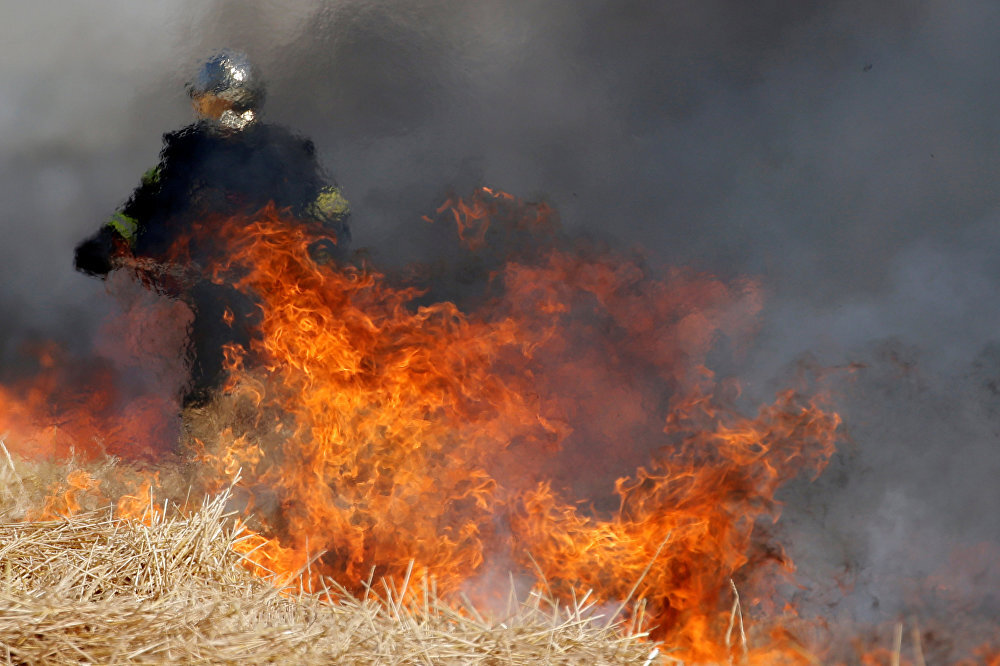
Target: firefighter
pixel 226 163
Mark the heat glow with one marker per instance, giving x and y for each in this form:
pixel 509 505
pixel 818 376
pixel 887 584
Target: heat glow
pixel 564 428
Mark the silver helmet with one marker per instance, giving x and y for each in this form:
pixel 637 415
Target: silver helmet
pixel 229 77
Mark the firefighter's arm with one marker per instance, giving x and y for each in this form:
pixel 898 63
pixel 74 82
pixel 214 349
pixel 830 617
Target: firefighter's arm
pixel 105 250
pixel 100 253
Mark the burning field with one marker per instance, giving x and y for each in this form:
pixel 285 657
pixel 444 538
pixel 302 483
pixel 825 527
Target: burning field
pixel 717 382
pixel 548 471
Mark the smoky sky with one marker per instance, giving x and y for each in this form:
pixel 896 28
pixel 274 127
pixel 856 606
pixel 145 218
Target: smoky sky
pixel 843 153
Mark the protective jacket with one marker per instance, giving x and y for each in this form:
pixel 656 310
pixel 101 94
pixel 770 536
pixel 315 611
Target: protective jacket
pixel 205 170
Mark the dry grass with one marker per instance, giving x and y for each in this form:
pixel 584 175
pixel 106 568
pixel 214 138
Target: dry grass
pixel 97 589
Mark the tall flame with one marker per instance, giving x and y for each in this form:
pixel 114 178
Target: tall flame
pixel 566 427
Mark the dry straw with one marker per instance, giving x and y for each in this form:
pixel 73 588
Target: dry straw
pixel 94 588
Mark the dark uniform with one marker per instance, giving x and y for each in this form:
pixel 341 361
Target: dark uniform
pixel 208 169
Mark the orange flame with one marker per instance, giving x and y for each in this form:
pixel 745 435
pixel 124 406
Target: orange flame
pixel 386 436
pixel 566 428
pixel 71 404
pixel 65 498
pixel 139 504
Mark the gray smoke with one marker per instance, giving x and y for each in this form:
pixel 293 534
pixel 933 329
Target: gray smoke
pixel 842 152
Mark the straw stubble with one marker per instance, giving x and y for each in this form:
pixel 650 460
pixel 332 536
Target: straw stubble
pixel 97 588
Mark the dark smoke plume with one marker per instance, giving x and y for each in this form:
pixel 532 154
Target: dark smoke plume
pixel 841 152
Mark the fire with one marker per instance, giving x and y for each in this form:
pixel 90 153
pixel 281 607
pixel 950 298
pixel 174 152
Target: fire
pixel 564 427
pixel 473 218
pixel 79 405
pixel 380 438
pixel 698 505
pixel 42 417
pixel 132 496
pixel 64 499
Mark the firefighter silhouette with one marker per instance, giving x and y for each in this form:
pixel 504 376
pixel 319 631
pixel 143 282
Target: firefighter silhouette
pixel 225 164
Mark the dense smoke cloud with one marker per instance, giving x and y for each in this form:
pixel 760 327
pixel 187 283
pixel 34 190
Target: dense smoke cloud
pixel 842 152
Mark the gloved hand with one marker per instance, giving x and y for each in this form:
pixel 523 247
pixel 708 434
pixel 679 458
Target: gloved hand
pixel 94 255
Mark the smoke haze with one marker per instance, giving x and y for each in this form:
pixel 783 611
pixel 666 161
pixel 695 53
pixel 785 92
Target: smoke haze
pixel 842 152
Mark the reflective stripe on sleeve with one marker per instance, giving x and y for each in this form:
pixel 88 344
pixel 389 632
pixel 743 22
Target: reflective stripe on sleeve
pixel 125 225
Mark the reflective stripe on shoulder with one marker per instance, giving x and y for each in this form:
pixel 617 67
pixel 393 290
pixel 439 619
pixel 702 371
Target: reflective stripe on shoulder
pixel 331 203
pixel 152 176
